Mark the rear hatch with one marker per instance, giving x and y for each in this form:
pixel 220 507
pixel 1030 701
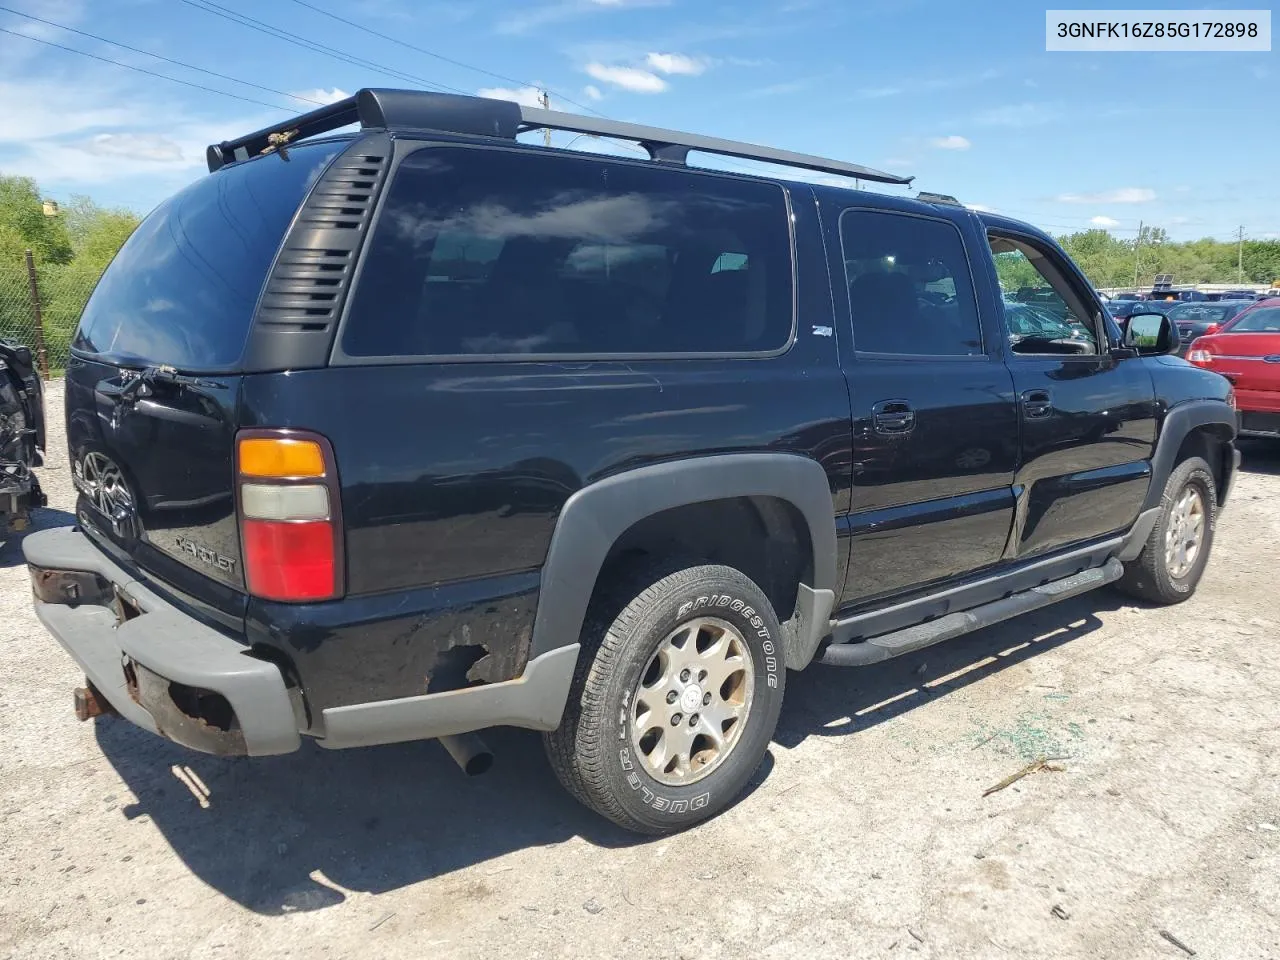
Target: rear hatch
pixel 154 377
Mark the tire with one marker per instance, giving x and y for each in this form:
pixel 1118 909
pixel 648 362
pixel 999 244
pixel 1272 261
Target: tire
pixel 1157 575
pixel 616 749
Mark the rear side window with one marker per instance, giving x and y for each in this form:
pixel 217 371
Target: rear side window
pixel 910 289
pixel 183 288
pixel 487 252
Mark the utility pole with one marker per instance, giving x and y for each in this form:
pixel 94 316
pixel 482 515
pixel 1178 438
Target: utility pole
pixel 1137 254
pixel 544 98
pixel 1240 255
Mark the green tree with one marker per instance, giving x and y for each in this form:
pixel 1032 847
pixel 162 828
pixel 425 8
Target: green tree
pixel 22 213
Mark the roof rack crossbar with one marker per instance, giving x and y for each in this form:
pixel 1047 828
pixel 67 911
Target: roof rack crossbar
pixel 426 110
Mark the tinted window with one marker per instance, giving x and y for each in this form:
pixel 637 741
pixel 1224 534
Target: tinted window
pixel 1262 320
pixel 183 288
pixel 910 291
pixel 494 252
pixel 1201 313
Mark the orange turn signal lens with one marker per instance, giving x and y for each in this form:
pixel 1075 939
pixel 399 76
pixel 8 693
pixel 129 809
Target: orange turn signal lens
pixel 280 457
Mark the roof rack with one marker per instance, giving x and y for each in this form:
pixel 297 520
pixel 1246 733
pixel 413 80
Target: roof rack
pixel 480 116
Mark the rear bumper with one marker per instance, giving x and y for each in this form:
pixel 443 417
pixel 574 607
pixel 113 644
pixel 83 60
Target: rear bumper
pixel 1260 422
pixel 155 665
pixel 153 661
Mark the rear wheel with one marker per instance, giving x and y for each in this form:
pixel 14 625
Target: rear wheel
pixel 676 697
pixel 1177 550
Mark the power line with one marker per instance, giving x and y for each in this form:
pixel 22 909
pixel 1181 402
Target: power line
pixel 149 73
pixel 298 41
pixel 439 56
pixel 147 53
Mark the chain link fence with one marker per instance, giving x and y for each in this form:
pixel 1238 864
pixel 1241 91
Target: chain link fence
pixel 40 305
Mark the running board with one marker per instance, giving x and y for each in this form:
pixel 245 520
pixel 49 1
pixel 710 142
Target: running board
pixel 923 635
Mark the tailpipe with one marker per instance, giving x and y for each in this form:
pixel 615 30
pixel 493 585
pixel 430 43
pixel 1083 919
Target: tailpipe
pixel 469 752
pixel 90 703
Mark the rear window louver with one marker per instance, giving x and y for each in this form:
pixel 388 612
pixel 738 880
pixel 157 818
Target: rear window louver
pixel 312 273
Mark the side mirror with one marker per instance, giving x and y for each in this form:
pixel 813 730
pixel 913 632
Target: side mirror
pixel 1151 334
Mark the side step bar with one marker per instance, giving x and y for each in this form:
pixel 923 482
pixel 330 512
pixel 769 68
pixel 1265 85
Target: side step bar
pixel 923 635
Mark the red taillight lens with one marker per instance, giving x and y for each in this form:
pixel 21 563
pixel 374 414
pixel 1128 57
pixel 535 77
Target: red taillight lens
pixel 290 526
pixel 1199 353
pixel 287 560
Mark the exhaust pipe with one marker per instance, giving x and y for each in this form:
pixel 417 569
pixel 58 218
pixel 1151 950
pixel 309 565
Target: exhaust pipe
pixel 469 752
pixel 90 703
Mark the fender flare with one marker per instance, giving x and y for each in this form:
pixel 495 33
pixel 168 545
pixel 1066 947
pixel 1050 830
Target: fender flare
pixel 1178 422
pixel 597 515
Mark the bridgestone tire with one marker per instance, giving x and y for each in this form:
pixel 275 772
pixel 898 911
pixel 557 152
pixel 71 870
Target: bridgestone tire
pixel 593 751
pixel 1149 577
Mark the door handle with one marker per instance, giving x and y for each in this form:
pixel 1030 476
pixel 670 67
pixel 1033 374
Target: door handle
pixel 1037 404
pixel 893 417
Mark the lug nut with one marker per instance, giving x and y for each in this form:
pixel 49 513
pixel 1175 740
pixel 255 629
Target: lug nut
pixel 693 720
pixel 706 699
pixel 671 697
pixel 675 719
pixel 684 675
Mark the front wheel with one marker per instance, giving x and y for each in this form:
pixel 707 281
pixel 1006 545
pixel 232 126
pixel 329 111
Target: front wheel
pixel 675 698
pixel 1177 550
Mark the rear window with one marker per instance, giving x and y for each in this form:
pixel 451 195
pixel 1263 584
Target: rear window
pixel 487 252
pixel 183 288
pixel 1201 313
pixel 1260 320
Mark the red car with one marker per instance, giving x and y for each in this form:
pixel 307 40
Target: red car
pixel 1247 352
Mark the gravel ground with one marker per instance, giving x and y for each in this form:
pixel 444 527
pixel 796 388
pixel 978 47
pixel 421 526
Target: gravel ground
pixel 865 834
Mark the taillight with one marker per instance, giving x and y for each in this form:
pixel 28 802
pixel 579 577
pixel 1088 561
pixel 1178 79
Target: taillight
pixel 1198 354
pixel 290 522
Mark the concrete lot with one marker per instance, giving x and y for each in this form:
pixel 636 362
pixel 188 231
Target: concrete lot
pixel 865 834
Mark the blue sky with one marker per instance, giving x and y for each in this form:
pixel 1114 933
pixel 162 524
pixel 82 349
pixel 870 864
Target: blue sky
pixel 962 95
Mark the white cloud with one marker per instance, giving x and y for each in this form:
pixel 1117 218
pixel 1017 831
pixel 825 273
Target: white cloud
pixel 322 95
pixel 592 92
pixel 1105 222
pixel 778 89
pixel 1119 195
pixel 532 17
pixel 1016 115
pixel 980 207
pixel 525 96
pixel 675 63
pixel 628 78
pixel 952 142
pixel 135 146
pixel 878 93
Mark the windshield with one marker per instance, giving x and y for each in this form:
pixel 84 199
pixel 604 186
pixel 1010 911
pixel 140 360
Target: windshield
pixel 183 288
pixel 1262 320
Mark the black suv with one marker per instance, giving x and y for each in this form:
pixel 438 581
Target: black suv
pixel 423 429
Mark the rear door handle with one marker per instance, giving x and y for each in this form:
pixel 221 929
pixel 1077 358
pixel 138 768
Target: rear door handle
pixel 893 417
pixel 1037 404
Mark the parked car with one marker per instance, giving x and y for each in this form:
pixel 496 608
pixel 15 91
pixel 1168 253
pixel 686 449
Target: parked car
pixel 21 437
pixel 1121 310
pixel 1129 296
pixel 1196 319
pixel 1159 306
pixel 1025 322
pixel 1247 352
pixel 422 429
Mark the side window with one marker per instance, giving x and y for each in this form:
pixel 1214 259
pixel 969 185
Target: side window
pixel 1043 312
pixel 910 290
pixel 488 252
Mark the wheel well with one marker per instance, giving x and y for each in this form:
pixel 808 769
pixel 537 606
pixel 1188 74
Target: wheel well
pixel 764 537
pixel 1211 442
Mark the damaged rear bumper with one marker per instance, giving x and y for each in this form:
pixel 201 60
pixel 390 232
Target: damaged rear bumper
pixel 171 674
